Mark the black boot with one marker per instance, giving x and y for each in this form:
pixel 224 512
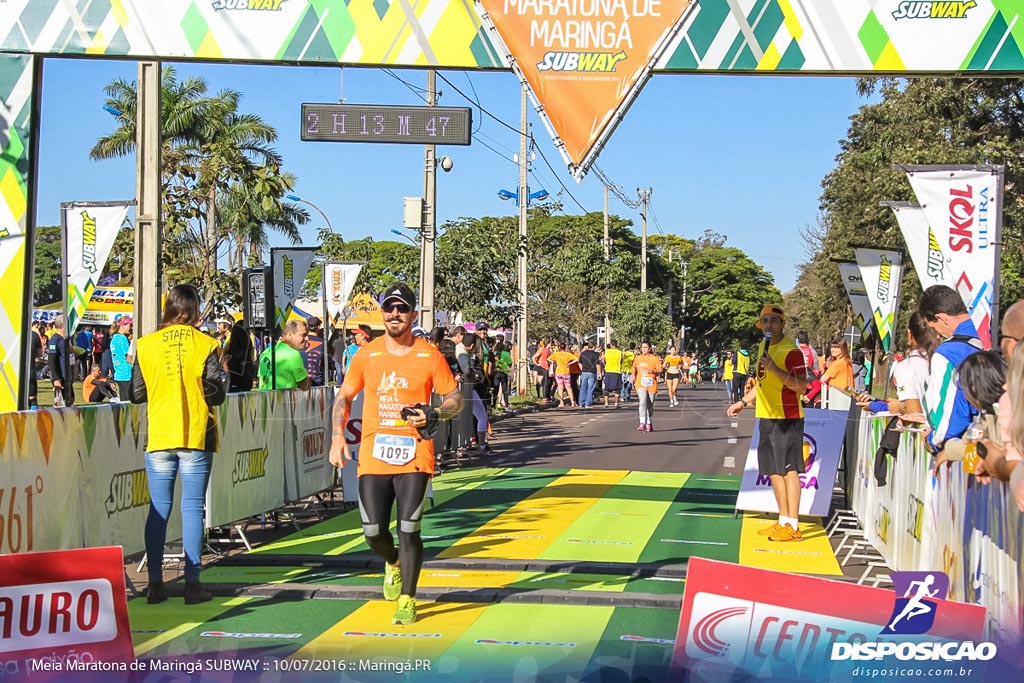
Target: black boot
pixel 195 594
pixel 156 593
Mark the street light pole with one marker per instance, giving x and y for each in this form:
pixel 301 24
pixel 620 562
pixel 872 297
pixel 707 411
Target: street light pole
pixel 429 219
pixel 296 198
pixel 524 194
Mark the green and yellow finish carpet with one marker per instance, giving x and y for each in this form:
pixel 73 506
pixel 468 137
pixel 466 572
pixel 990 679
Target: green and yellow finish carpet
pixel 529 574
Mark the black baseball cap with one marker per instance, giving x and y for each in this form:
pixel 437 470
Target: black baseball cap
pixel 399 292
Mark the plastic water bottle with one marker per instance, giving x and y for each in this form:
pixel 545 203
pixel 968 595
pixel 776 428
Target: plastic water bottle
pixel 58 398
pixel 975 432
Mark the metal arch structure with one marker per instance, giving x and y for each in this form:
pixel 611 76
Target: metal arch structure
pixel 815 37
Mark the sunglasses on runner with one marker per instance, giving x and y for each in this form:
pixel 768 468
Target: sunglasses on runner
pixel 401 308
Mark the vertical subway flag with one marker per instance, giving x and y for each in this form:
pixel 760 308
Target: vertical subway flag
pixel 961 208
pixel 925 251
pixel 291 268
pixel 882 271
pixel 584 62
pixel 859 301
pixel 339 278
pixel 90 229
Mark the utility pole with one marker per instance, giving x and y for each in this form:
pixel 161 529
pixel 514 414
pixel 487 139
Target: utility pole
pixel 148 217
pixel 682 313
pixel 607 258
pixel 645 197
pixel 524 199
pixel 429 227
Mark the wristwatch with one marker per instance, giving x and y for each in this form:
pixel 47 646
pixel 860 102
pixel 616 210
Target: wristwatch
pixel 744 402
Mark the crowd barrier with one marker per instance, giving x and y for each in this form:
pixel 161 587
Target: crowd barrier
pixel 920 522
pixel 76 477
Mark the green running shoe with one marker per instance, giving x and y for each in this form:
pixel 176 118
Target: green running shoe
pixel 405 613
pixel 392 582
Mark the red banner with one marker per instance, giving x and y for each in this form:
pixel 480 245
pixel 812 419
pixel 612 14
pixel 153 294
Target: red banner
pixel 62 612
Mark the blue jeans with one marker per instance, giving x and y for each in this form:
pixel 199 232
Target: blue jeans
pixel 627 385
pixel 162 472
pixel 588 380
pixel 728 388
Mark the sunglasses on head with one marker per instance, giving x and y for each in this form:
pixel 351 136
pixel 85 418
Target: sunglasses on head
pixel 400 307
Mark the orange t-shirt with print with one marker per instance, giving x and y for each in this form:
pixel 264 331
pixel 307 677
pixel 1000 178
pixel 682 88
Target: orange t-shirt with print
pixel 647 367
pixel 390 445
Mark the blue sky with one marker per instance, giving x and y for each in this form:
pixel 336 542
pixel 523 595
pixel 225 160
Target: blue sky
pixel 741 155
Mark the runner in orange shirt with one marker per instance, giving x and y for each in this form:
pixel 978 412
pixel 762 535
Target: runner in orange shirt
pixel 673 362
pixel 646 368
pixel 397 374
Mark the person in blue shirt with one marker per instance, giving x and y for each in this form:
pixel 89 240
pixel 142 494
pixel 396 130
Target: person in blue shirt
pixel 947 408
pixel 83 340
pixel 120 355
pixel 361 338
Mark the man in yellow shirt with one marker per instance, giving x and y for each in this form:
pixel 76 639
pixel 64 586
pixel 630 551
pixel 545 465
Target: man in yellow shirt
pixel 646 368
pixel 781 381
pixel 612 361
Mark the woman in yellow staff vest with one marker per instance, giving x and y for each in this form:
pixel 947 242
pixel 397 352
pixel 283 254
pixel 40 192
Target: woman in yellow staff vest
pixel 178 372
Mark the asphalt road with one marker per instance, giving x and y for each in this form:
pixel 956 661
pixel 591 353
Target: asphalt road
pixel 696 436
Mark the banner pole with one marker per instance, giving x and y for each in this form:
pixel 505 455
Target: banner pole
pixel 997 254
pixel 328 326
pixel 64 275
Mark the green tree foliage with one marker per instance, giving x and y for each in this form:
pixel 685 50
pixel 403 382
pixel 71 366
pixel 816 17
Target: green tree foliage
pixel 915 121
pixel 213 155
pixel 385 263
pixel 48 259
pixel 642 316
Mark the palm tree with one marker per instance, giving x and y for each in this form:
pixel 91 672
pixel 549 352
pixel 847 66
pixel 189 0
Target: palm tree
pixel 210 152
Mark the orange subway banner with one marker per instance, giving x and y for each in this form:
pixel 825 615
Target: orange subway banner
pixel 584 60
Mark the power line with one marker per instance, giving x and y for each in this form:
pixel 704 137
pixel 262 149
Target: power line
pixel 615 189
pixel 500 154
pixel 418 92
pixel 480 123
pixel 550 168
pixel 479 106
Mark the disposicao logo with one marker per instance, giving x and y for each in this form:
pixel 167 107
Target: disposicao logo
pixel 914 614
pixel 927 9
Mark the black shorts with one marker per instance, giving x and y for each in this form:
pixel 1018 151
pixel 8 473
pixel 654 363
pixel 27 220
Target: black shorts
pixel 780 446
pixel 612 381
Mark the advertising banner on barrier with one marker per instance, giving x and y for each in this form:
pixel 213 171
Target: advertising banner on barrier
pixel 354 436
pixel 584 63
pixel 993 540
pixel 754 623
pixel 854 283
pixel 40 478
pixel 291 268
pixel 823 442
pixel 247 476
pixel 339 279
pixel 63 611
pixel 90 229
pixel 882 273
pixel 306 467
pixel 115 489
pixel 963 208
